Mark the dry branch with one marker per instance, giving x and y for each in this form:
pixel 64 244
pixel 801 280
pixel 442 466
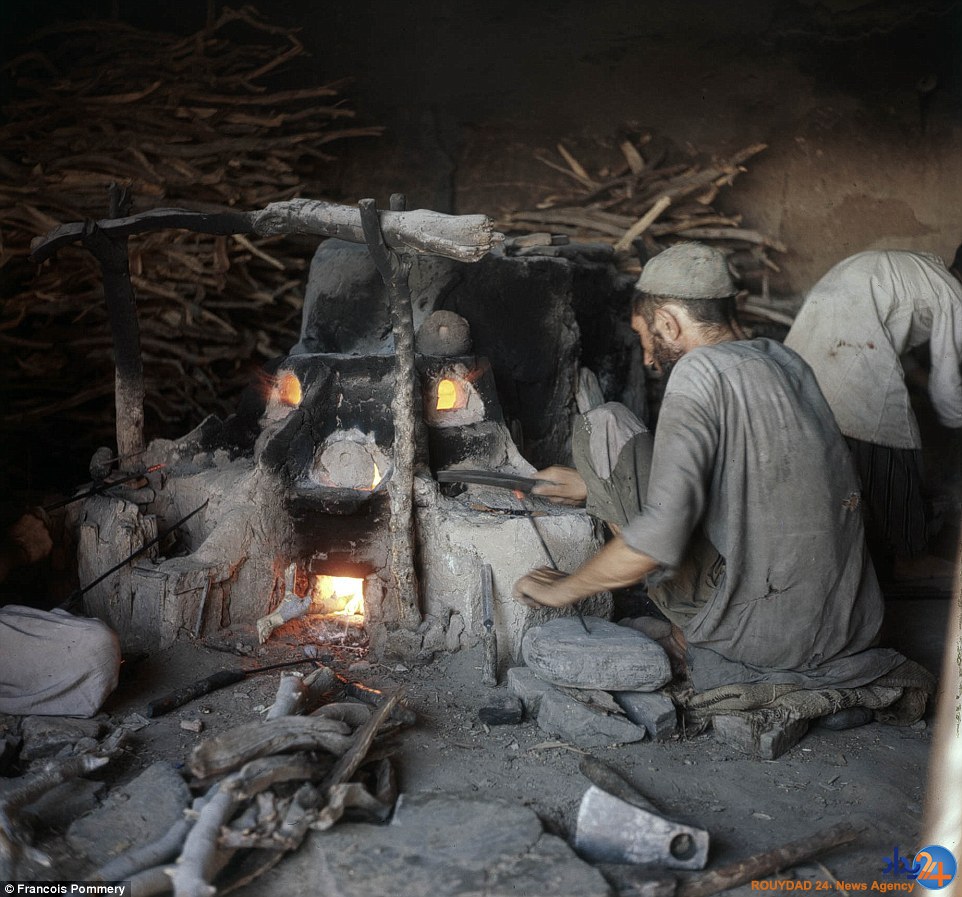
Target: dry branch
pixel 227 751
pixel 297 693
pixel 653 198
pixel 14 837
pixel 194 122
pixel 195 867
pixel 321 807
pixel 762 865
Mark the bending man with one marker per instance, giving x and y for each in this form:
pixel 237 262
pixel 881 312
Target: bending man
pixel 856 322
pixel 742 512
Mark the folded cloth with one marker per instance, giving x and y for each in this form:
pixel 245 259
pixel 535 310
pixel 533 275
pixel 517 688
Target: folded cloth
pixel 55 664
pixel 897 697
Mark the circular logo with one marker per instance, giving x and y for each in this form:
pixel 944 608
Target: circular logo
pixel 936 867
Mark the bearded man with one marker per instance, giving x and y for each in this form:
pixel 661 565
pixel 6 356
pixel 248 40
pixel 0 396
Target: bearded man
pixel 742 512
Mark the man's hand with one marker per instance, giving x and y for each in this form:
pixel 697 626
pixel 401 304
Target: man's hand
pixel 561 485
pixel 543 587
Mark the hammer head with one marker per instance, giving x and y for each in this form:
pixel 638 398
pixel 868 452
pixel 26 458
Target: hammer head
pixel 610 830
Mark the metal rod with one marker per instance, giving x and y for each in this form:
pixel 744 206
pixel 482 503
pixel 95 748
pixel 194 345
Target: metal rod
pixel 103 487
pixel 547 551
pixel 77 594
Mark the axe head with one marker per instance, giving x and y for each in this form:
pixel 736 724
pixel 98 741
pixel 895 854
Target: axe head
pixel 610 830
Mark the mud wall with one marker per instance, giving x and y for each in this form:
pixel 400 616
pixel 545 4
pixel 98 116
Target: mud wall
pixel 859 102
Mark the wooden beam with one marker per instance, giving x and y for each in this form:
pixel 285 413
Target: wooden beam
pixel 466 238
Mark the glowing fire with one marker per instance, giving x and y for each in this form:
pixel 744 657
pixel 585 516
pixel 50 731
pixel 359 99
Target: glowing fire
pixel 447 394
pixel 377 477
pixel 341 595
pixel 288 390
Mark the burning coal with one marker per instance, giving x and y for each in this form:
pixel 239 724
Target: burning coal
pixel 338 595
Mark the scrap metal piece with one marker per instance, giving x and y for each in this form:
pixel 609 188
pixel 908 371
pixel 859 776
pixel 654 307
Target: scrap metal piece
pixel 624 827
pixel 489 672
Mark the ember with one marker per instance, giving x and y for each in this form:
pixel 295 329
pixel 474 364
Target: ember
pixel 288 390
pixel 447 395
pixel 341 595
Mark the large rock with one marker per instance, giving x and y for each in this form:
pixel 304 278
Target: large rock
pixel 759 735
pixel 584 726
pixel 529 687
pixel 609 657
pixel 437 845
pixel 135 814
pixel 652 709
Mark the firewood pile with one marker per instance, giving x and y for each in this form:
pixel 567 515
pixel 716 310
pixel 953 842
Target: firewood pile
pixel 205 122
pixel 642 199
pixel 262 787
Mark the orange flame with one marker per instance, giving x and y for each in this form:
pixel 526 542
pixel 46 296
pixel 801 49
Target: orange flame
pixel 288 390
pixel 340 595
pixel 377 477
pixel 447 394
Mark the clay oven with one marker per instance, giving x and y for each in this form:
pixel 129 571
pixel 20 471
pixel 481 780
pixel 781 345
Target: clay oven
pixel 294 487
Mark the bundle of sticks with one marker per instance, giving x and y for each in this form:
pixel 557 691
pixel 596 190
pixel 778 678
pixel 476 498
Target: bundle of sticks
pixel 263 787
pixel 204 122
pixel 643 199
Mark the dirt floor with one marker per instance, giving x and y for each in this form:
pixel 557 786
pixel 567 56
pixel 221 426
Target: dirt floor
pixel 873 776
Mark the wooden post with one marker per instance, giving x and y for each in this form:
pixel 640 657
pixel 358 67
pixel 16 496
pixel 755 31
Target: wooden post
pixel 465 238
pixel 394 269
pixel 111 255
pixel 942 819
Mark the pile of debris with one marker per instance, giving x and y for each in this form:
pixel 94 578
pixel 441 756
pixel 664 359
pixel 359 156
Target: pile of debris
pixel 645 197
pixel 262 787
pixel 205 122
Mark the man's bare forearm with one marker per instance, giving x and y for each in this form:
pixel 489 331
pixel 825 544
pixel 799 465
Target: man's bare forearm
pixel 614 567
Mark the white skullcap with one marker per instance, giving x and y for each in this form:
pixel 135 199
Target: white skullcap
pixel 688 271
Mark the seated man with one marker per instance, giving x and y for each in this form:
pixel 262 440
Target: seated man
pixel 855 324
pixel 51 662
pixel 742 512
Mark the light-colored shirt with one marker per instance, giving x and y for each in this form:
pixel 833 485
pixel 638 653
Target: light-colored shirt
pixel 747 449
pixel 856 322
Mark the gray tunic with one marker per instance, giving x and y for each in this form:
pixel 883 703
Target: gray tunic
pixel 747 448
pixel 857 321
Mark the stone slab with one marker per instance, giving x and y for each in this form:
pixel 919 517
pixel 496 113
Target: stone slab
pixel 437 845
pixel 652 709
pixel 609 657
pixel 137 813
pixel 503 711
pixel 46 736
pixel 580 725
pixel 759 738
pixel 460 540
pixel 529 687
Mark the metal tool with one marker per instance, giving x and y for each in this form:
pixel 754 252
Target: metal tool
pixel 618 824
pixel 220 679
pixel 75 596
pixel 489 672
pixel 103 487
pixel 547 551
pixel 488 478
pixel 517 484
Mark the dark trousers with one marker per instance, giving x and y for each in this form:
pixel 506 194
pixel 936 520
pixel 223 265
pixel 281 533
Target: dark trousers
pixel 897 516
